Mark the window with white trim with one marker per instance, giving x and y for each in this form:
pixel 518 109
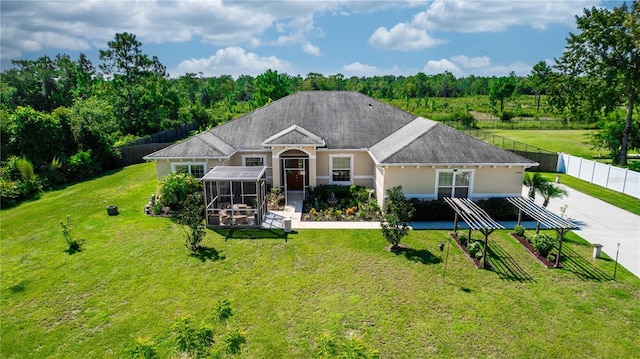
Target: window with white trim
pixel 454 184
pixel 254 160
pixel 340 168
pixel 196 169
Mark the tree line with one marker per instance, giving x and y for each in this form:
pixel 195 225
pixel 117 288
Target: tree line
pixel 65 117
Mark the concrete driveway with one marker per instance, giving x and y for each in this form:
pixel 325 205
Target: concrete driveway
pixel 600 222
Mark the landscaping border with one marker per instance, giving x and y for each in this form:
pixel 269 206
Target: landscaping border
pixel 475 261
pixel 544 261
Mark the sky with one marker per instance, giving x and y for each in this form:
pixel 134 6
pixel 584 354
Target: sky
pixel 352 38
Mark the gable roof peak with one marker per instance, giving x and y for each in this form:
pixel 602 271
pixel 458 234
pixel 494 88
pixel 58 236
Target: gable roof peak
pixel 294 135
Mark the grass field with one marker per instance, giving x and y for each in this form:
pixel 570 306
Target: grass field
pixel 135 278
pixel 574 142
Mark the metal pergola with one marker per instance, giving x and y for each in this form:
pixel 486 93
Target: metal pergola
pixel 476 218
pixel 545 217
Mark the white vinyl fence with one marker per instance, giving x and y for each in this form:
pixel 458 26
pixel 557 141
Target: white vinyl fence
pixel 611 177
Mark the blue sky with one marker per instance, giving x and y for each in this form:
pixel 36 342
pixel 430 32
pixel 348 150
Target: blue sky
pixel 354 38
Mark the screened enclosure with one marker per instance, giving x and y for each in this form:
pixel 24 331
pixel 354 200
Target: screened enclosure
pixel 235 196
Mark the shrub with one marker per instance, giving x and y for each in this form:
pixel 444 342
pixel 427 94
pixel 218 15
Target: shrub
pixel 473 248
pixel 191 339
pixel 75 243
pixel 82 165
pixel 499 209
pixel 18 182
pixel 551 258
pixel 233 340
pixel 543 243
pixel 275 197
pixel 506 116
pixel 176 187
pixel 328 346
pixel 143 348
pixel 519 230
pixel 222 311
pixel 462 238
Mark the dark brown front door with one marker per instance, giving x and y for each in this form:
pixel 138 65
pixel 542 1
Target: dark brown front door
pixel 294 180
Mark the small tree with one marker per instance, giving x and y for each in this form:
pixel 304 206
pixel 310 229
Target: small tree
pixel 396 217
pixel 191 215
pixel 74 242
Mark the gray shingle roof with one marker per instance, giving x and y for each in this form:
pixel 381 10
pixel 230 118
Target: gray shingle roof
pixel 202 145
pixel 342 120
pixel 294 135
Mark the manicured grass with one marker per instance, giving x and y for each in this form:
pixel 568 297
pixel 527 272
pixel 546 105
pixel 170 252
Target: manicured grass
pixel 134 277
pixel 615 198
pixel 574 142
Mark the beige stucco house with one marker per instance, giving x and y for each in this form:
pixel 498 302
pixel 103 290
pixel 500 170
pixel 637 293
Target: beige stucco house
pixel 312 138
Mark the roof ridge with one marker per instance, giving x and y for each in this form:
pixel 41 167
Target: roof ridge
pixel 201 137
pixel 402 138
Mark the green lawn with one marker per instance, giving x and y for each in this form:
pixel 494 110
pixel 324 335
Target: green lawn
pixel 135 278
pixel 574 142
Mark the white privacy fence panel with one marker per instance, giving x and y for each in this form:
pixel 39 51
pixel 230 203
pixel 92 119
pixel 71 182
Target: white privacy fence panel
pixel 611 177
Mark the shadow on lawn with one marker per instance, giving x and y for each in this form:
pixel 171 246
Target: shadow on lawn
pixel 207 253
pixel 253 233
pixel 505 266
pixel 417 255
pixel 585 270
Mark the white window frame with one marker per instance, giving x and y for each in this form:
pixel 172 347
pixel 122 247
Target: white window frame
pixel 189 164
pixel 263 157
pixel 453 183
pixel 331 181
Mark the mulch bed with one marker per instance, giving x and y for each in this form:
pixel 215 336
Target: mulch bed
pixel 476 262
pixel 533 251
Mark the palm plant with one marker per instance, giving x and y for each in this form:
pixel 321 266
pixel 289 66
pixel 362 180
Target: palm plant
pixel 549 190
pixel 534 183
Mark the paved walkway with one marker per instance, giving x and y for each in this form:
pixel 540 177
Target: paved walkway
pixel 602 223
pixel 598 222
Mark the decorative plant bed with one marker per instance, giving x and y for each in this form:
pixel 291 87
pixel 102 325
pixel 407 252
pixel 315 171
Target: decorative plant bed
pixel 477 262
pixel 349 215
pixel 533 251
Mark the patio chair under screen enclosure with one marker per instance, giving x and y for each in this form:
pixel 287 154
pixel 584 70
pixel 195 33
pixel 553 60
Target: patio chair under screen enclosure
pixel 235 196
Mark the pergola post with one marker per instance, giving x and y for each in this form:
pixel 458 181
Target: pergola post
pixel 561 232
pixel 519 217
pixel 486 233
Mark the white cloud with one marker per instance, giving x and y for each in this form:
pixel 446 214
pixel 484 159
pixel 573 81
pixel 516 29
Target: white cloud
pixel 233 61
pixel 310 49
pixel 433 67
pixel 461 65
pixel 491 16
pixel 402 37
pixel 472 63
pixel 358 69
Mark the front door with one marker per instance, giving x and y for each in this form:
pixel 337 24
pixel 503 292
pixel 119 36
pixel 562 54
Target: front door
pixel 294 173
pixel 295 180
